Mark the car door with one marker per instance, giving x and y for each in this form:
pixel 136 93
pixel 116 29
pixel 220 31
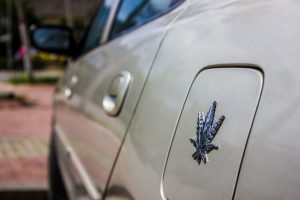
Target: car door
pixel 212 62
pixel 99 92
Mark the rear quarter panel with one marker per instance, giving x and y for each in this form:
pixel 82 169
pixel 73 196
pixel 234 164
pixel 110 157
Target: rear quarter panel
pixel 261 33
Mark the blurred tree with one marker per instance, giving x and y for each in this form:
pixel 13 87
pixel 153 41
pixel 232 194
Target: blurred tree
pixel 44 12
pixel 30 18
pixel 24 50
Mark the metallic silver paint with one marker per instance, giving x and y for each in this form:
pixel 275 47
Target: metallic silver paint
pixel 237 98
pixel 257 34
pixel 95 136
pixel 261 33
pixel 77 165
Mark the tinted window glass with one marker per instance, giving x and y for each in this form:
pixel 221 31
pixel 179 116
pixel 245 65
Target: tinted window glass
pixel 95 30
pixel 133 13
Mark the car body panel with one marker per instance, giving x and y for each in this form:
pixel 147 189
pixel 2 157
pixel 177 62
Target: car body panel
pixel 272 160
pixel 262 34
pixel 94 136
pixel 236 92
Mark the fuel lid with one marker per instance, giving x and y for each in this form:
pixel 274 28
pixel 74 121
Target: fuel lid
pixel 237 92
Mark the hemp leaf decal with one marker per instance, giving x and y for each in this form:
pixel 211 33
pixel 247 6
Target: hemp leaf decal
pixel 205 133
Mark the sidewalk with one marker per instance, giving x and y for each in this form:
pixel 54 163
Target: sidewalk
pixel 24 134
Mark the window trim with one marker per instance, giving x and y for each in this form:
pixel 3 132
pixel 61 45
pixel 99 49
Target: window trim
pixel 110 21
pixel 86 32
pixel 106 35
pixel 131 29
pixel 106 29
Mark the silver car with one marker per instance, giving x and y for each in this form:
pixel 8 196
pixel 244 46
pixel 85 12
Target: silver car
pixel 178 99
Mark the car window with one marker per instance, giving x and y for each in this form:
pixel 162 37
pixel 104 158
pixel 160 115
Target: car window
pixel 133 13
pixel 95 30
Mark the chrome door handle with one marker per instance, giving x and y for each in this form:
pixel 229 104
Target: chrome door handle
pixel 68 90
pixel 116 93
pixel 68 93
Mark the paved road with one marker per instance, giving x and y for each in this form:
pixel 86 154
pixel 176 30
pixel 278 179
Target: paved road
pixel 6 75
pixel 24 135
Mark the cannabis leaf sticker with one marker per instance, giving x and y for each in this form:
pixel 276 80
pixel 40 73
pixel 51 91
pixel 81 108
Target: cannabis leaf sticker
pixel 205 133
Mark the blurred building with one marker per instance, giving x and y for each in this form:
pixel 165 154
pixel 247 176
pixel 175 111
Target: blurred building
pixel 74 13
pixel 54 8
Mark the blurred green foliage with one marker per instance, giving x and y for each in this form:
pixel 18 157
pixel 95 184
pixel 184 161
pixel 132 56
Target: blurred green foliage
pixel 24 79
